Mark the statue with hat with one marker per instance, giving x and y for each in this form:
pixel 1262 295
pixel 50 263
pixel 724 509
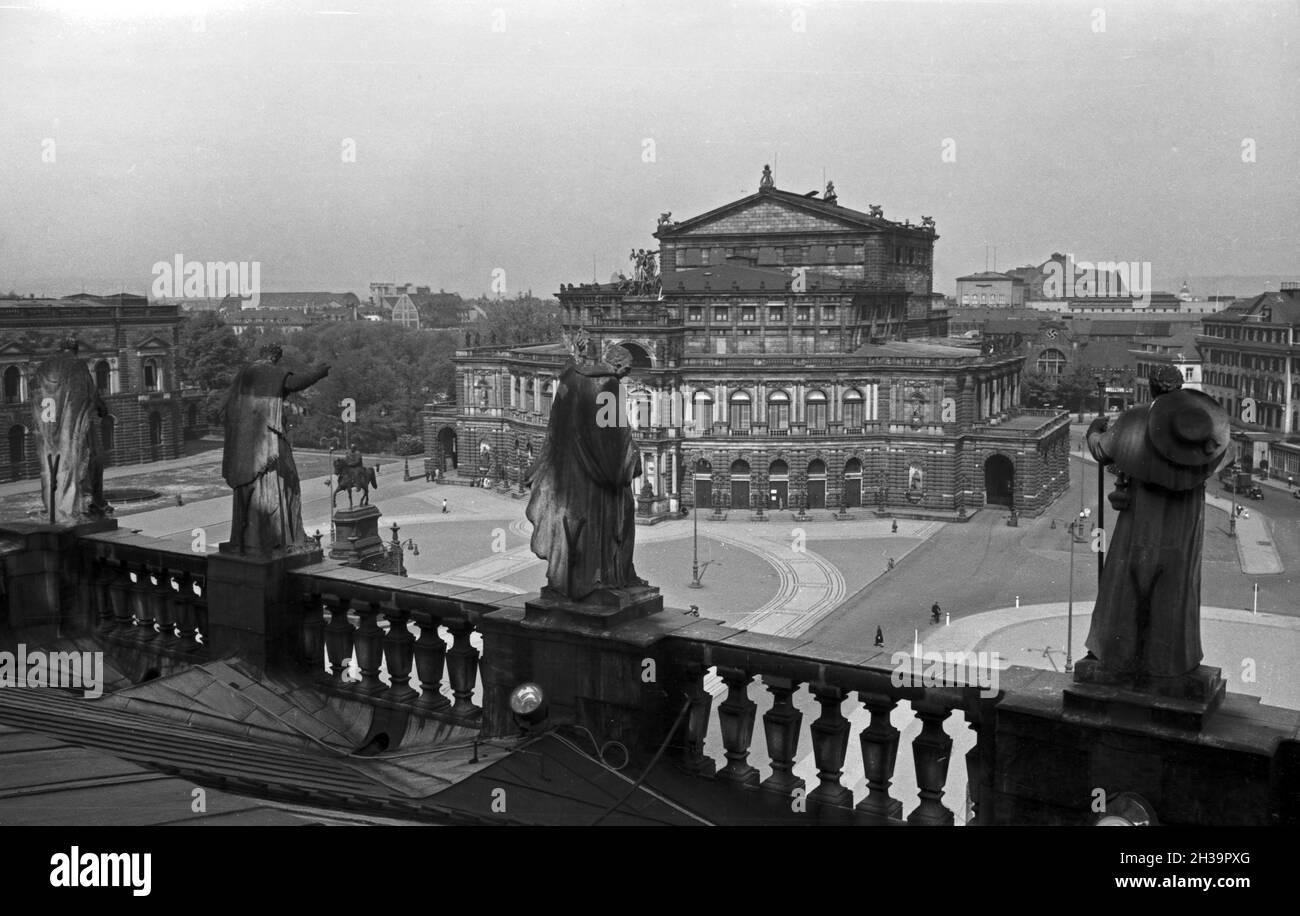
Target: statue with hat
pixel 1146 626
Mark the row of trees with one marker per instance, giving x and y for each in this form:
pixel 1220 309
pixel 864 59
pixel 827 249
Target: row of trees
pixel 389 371
pixel 1075 390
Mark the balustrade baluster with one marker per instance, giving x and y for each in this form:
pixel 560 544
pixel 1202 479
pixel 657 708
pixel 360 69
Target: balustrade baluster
pixel 697 724
pixel 430 655
pixel 313 634
pixel 879 755
pixel 830 739
pixel 186 614
pixel 782 724
pixel 973 773
pixel 338 641
pixel 736 716
pixel 142 606
pixel 369 643
pixel 162 609
pixel 397 653
pixel 462 670
pixel 930 751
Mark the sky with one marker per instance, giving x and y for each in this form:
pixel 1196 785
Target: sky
pixel 337 143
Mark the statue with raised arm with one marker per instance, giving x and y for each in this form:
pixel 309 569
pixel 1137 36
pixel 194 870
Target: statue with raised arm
pixel 65 407
pixel 1146 625
pixel 258 460
pixel 581 507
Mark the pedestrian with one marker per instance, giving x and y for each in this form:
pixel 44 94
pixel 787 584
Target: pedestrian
pixel 179 500
pixel 936 613
pixel 891 562
pixel 880 637
pixel 894 526
pixel 444 505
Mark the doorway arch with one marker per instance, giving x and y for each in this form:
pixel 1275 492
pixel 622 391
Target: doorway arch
pixel 853 483
pixel 447 443
pixel 999 480
pixel 703 483
pixel 740 484
pixel 778 484
pixel 816 484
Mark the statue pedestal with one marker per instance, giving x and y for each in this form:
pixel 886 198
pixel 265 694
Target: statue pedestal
pixel 362 523
pixel 602 610
pixel 1178 702
pixel 252 610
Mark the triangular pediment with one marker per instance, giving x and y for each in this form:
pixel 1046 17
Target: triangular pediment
pixel 153 343
pixel 773 212
pixel 13 349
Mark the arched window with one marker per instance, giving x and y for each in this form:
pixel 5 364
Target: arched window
pixel 17 448
pixel 816 404
pixel 639 414
pixel 103 377
pixel 778 410
pixel 107 428
pixel 152 375
pixel 703 407
pixel 1051 362
pixel 13 385
pixel 739 414
pixel 853 409
pixel 548 395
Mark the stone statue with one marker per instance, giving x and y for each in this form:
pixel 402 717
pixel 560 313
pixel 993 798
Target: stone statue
pixel 258 460
pixel 581 507
pixel 666 219
pixel 830 196
pixel 927 222
pixel 351 473
pixel 1147 621
pixel 65 405
pixel 765 183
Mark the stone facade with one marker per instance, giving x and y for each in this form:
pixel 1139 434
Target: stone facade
pixel 772 364
pixel 129 347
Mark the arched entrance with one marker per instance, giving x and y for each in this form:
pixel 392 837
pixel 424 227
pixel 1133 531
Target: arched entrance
pixel 778 484
pixel 107 438
pixel 155 436
pixel 447 442
pixel 817 484
pixel 853 483
pixel 740 484
pixel 17 450
pixel 999 480
pixel 640 358
pixel 703 483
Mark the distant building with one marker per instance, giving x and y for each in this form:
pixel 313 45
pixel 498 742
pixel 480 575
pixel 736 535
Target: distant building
pixel 787 354
pixel 1178 350
pixel 990 289
pixel 1251 354
pixel 128 345
pixel 289 311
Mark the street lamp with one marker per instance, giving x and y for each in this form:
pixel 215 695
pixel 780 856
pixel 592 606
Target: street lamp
pixel 697 570
pixel 1075 528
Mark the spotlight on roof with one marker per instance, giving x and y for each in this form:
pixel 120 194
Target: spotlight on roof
pixel 528 703
pixel 1127 809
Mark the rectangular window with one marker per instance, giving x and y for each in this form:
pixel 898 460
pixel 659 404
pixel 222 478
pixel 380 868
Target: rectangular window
pixel 793 255
pixel 695 314
pixel 828 313
pixel 720 313
pixel 748 313
pixel 775 313
pixel 803 313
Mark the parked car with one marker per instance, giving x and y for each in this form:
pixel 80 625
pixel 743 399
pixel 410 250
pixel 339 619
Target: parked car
pixel 1241 483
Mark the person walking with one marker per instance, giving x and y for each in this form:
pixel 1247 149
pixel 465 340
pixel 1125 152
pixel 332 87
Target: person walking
pixel 893 527
pixel 444 505
pixel 880 637
pixel 936 613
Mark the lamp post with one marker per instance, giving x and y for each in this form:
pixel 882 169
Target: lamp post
pixel 1232 515
pixel 695 545
pixel 1075 528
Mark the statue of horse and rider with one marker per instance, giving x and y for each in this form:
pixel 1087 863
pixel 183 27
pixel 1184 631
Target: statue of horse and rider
pixel 350 473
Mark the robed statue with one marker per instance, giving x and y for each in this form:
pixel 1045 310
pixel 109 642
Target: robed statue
pixel 258 460
pixel 581 506
pixel 1147 620
pixel 66 405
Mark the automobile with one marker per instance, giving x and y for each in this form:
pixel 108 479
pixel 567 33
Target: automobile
pixel 1241 483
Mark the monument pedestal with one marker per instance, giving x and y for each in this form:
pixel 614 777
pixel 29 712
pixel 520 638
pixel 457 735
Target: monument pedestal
pixel 252 612
pixel 361 523
pixel 1176 702
pixel 601 611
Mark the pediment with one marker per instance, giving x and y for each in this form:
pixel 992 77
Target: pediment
pixel 153 343
pixel 764 216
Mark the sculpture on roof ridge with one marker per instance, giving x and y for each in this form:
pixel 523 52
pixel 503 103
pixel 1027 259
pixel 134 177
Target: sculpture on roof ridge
pixel 765 183
pixel 581 506
pixel 877 211
pixel 830 196
pixel 65 406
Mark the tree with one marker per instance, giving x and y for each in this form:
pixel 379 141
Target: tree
pixel 1038 389
pixel 522 320
pixel 208 357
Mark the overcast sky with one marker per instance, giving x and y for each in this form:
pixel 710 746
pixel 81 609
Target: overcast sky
pixel 515 135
